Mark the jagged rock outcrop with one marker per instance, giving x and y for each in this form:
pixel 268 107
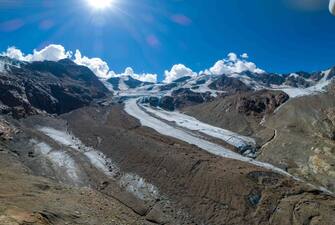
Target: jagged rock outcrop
pixel 178 99
pixel 126 82
pixel 229 85
pixel 260 102
pixel 54 87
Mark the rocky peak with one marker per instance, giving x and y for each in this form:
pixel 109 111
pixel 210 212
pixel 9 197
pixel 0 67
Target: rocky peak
pixel 54 87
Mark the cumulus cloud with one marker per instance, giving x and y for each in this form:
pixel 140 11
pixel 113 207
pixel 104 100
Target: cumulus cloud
pixel 232 57
pixel 57 52
pixel 244 56
pixel 97 65
pixel 14 53
pixel 176 72
pixel 233 64
pixel 51 53
pixel 144 77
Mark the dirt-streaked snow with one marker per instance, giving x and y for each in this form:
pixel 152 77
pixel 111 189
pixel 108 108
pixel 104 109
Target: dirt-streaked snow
pixel 63 160
pixel 59 159
pixel 101 162
pixel 139 187
pixel 97 158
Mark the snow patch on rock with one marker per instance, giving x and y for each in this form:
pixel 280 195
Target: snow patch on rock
pixel 131 182
pixel 96 158
pixel 59 159
pixel 63 160
pixel 139 187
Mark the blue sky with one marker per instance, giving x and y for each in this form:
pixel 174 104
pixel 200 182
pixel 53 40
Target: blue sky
pixel 153 35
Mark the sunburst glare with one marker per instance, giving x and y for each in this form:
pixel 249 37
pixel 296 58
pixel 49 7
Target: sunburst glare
pixel 100 4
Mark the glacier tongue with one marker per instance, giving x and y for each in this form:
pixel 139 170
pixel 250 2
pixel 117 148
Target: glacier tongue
pixel 193 124
pixel 132 108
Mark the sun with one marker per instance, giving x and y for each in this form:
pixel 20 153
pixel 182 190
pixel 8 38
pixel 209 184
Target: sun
pixel 100 4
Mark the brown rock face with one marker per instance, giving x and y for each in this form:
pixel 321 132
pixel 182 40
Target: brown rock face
pixel 260 102
pixel 241 112
pixel 6 131
pixel 54 87
pixel 228 84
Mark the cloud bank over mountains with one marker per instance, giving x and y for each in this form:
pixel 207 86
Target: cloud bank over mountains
pixel 51 53
pixel 231 64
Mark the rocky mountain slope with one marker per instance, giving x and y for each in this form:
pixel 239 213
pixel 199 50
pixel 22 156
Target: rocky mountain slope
pixel 54 87
pixel 79 150
pixel 295 134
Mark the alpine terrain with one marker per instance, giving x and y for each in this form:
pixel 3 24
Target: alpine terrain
pixel 246 148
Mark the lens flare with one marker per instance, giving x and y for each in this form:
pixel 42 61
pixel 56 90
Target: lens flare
pixel 100 4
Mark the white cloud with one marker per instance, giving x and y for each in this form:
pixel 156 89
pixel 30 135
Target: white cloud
pixel 245 56
pixel 144 77
pixel 97 65
pixel 14 53
pixel 233 64
pixel 129 71
pixel 57 52
pixel 232 57
pixel 51 53
pixel 178 71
